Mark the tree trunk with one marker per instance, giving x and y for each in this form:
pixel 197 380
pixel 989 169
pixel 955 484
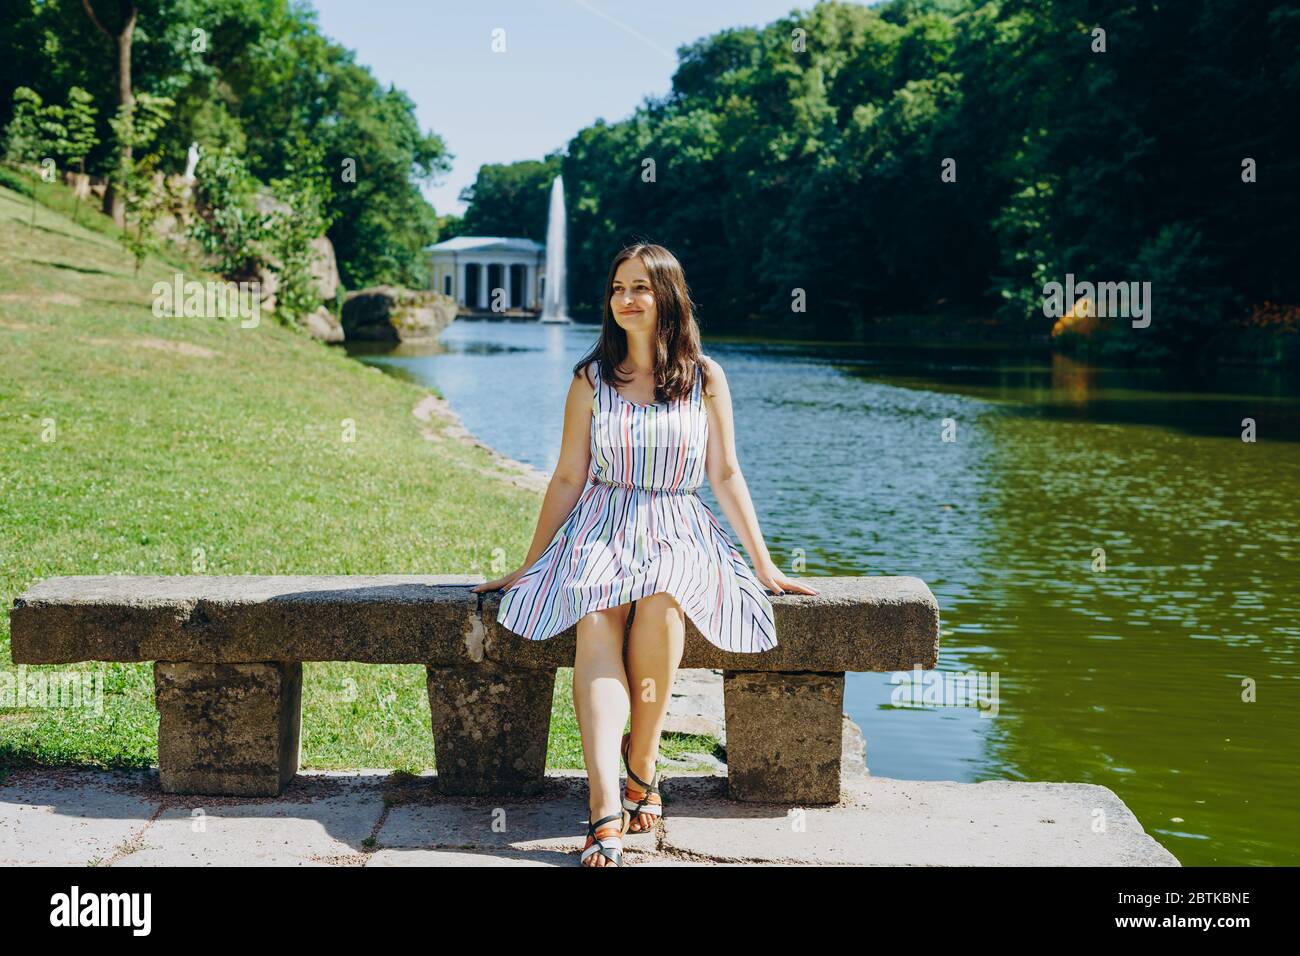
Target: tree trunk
pixel 113 199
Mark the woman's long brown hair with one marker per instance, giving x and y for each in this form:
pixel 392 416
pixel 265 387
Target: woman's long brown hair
pixel 677 339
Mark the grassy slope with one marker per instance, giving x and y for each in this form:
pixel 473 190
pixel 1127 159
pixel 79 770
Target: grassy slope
pixel 157 453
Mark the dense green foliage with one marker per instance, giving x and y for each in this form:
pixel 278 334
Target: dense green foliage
pixel 304 194
pixel 807 155
pixel 510 200
pixel 251 77
pixel 229 226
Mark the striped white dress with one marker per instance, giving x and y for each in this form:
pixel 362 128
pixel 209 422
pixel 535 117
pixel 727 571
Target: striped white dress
pixel 640 527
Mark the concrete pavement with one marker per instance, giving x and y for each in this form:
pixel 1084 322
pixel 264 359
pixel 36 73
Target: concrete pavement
pixel 79 817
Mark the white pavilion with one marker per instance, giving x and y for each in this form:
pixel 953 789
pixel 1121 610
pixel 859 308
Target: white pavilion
pixel 471 268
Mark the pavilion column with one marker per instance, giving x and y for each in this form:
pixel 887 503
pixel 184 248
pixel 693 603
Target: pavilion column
pixel 460 284
pixel 509 270
pixel 483 285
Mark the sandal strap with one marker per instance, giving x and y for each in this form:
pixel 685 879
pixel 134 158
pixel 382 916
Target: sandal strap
pixel 648 787
pixel 643 806
pixel 591 827
pixel 610 846
pixel 651 787
pixel 645 795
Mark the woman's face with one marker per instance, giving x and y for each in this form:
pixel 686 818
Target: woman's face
pixel 632 300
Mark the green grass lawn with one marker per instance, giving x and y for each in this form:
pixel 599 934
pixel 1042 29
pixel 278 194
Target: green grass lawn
pixel 131 444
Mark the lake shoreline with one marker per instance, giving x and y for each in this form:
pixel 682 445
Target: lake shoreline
pixel 440 422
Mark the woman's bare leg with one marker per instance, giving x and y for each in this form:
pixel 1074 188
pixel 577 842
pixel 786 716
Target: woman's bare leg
pixel 600 699
pixel 654 650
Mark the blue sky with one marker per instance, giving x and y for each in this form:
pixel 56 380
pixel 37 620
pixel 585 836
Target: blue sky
pixel 567 63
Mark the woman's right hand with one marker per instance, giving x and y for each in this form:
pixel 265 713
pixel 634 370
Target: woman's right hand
pixel 500 584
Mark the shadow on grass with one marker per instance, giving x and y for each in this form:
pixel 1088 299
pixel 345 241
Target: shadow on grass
pixel 98 239
pixel 16 756
pixel 120 303
pixel 64 265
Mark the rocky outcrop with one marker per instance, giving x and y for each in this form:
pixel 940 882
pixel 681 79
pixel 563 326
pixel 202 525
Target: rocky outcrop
pixel 391 314
pixel 324 325
pixel 174 223
pixel 325 269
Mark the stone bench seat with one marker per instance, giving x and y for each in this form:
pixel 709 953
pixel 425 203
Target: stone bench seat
pixel 228 654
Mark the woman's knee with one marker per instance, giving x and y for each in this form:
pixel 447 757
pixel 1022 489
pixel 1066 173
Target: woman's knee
pixel 608 618
pixel 604 627
pixel 659 606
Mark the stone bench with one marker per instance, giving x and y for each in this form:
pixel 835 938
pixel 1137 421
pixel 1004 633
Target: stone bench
pixel 228 654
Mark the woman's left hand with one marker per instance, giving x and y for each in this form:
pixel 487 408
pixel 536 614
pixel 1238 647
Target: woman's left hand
pixel 771 578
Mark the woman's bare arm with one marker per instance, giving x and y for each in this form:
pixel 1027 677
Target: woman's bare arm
pixel 570 476
pixel 567 481
pixel 728 483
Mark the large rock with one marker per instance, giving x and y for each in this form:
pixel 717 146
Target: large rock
pixel 391 314
pixel 324 268
pixel 269 284
pixel 178 214
pixel 324 325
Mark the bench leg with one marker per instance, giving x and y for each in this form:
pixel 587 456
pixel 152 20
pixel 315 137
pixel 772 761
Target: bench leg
pixel 490 728
pixel 228 729
pixel 783 736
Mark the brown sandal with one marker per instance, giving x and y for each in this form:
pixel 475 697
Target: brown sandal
pixel 650 807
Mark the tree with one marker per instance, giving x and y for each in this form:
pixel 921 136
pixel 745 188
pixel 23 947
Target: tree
pixel 121 40
pixel 79 133
pixel 229 226
pixel 54 140
pixel 23 134
pixel 143 187
pixel 262 75
pixel 34 133
pixel 286 80
pixel 510 199
pixel 305 193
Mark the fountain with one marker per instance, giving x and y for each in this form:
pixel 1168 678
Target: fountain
pixel 555 303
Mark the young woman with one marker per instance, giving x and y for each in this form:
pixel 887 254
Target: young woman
pixel 648 416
